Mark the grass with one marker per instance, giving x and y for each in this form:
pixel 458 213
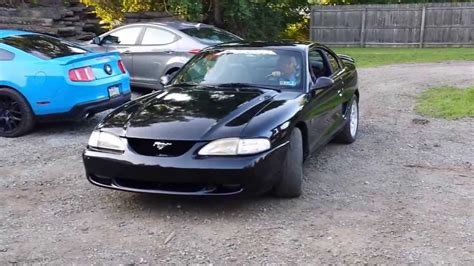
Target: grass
pixel 446 102
pixel 372 57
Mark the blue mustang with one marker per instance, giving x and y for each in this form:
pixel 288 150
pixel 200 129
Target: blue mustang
pixel 47 79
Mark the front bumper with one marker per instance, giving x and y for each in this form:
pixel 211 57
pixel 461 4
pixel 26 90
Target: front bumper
pixel 187 174
pixel 83 110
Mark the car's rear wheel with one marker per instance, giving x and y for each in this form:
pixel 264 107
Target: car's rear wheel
pixel 351 128
pixel 291 179
pixel 16 117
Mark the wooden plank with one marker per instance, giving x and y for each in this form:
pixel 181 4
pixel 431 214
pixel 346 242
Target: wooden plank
pixel 422 26
pixel 394 24
pixel 362 28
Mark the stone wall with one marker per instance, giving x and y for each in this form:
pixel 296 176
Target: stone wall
pixel 68 19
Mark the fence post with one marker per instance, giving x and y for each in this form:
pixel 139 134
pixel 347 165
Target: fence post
pixel 362 28
pixel 311 21
pixel 422 26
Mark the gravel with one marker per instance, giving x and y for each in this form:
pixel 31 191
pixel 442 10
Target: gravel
pixel 402 193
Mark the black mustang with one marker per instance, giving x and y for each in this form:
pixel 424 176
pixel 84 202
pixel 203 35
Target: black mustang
pixel 237 118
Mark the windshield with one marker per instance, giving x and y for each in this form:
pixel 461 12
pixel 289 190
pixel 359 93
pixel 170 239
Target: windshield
pixel 211 36
pixel 260 67
pixel 42 46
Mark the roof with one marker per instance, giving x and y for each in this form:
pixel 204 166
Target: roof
pixel 181 24
pixel 296 45
pixel 6 33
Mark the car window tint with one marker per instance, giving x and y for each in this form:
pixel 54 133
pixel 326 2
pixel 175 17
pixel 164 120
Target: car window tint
pixel 42 46
pixel 333 61
pixel 127 36
pixel 6 55
pixel 318 65
pixel 210 35
pixel 154 36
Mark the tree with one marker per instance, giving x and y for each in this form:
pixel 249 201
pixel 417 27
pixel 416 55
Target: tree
pixel 252 19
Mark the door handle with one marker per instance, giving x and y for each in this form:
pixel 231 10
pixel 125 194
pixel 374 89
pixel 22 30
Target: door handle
pixel 168 52
pixel 127 52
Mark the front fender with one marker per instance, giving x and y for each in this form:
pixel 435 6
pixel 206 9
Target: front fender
pixel 276 120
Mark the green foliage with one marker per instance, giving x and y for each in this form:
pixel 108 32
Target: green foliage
pixel 372 57
pixel 447 102
pixel 264 19
pixel 252 19
pixel 186 9
pixel 112 11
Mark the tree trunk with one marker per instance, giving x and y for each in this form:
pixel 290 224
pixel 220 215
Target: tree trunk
pixel 217 14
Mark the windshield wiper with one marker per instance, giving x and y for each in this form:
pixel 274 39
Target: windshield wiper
pixel 185 84
pixel 193 84
pixel 247 85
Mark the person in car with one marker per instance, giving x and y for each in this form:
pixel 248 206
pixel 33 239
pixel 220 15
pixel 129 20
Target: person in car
pixel 287 71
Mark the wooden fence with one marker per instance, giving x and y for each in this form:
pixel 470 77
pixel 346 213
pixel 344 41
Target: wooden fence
pixel 419 25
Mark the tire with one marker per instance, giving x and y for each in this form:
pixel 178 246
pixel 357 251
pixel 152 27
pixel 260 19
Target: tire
pixel 291 179
pixel 351 128
pixel 16 116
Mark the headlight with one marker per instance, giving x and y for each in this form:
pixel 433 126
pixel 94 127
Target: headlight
pixel 235 146
pixel 104 140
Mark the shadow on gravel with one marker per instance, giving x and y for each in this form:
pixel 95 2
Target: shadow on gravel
pixel 204 205
pixel 84 126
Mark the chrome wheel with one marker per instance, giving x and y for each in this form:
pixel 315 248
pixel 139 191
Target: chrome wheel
pixel 354 123
pixel 10 114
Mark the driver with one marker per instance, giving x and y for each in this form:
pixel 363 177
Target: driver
pixel 287 71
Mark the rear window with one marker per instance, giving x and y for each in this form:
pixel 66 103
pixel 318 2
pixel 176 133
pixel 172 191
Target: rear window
pixel 211 35
pixel 42 46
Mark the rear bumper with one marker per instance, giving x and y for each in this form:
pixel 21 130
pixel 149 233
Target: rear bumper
pixel 186 174
pixel 80 111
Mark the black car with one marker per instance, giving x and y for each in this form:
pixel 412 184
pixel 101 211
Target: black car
pixel 238 118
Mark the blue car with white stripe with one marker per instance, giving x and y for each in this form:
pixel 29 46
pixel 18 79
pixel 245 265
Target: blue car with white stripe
pixel 44 79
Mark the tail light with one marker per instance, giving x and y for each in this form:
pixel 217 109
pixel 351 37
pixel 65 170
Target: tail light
pixel 195 51
pixel 122 66
pixel 81 74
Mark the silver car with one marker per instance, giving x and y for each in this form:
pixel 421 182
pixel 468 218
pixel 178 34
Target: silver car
pixel 151 50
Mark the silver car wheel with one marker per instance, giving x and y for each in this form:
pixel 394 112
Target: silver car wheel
pixel 354 123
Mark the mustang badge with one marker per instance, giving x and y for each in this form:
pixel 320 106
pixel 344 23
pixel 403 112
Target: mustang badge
pixel 161 145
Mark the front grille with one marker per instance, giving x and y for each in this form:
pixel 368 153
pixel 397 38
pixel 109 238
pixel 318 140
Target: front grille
pixel 152 147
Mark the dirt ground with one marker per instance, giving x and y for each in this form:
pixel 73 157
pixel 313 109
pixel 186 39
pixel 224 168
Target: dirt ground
pixel 402 193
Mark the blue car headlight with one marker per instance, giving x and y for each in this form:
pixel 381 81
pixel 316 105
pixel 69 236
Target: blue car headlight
pixel 235 146
pixel 106 141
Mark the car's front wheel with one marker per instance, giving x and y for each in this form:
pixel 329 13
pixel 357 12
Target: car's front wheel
pixel 16 117
pixel 291 178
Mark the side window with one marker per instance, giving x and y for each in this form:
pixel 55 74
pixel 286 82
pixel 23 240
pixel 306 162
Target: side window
pixel 6 55
pixel 127 36
pixel 154 36
pixel 318 65
pixel 333 62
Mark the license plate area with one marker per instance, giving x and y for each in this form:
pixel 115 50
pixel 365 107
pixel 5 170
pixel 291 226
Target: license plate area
pixel 114 91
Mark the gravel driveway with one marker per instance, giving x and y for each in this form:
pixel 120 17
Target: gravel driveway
pixel 403 192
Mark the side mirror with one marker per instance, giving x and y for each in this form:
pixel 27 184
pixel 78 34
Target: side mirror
pixel 164 80
pixel 322 83
pixel 97 40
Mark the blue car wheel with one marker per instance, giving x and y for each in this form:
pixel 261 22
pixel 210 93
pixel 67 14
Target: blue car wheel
pixel 16 117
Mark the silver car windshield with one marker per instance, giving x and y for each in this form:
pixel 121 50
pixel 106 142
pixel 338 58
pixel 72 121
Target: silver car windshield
pixel 274 68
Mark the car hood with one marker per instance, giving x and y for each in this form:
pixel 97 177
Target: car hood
pixel 189 113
